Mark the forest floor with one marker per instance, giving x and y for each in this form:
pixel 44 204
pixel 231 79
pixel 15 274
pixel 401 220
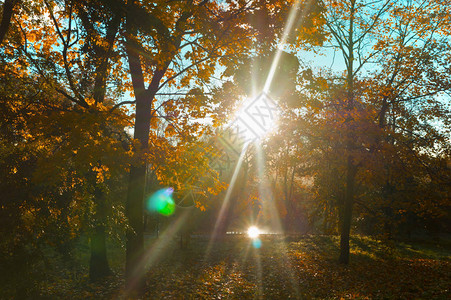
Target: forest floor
pixel 302 267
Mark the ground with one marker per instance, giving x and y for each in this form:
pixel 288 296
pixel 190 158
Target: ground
pixel 299 267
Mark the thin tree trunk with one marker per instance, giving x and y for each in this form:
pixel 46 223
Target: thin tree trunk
pixel 350 168
pixel 347 212
pixel 98 264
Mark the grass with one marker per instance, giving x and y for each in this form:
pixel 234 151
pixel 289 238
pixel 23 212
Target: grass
pixel 302 267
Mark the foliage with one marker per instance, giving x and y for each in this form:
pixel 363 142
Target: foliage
pixel 104 102
pixel 381 114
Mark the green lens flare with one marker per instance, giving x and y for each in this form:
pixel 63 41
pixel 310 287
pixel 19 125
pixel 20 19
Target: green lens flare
pixel 161 202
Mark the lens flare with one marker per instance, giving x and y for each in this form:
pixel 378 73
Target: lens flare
pixel 257 243
pixel 161 202
pixel 253 232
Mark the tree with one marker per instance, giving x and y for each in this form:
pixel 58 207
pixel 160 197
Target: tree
pixel 380 42
pixel 100 49
pixel 73 60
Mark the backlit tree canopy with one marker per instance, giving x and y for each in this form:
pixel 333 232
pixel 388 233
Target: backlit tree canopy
pixel 108 105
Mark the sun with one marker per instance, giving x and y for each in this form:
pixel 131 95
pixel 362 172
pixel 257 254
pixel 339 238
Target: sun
pixel 257 117
pixel 253 232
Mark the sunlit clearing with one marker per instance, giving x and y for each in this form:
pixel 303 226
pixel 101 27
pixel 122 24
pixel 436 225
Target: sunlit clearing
pixel 253 232
pixel 161 202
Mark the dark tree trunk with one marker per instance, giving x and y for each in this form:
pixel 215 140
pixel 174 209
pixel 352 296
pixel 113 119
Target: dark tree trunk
pixel 347 212
pixel 134 267
pixel 8 7
pixel 350 168
pixel 98 263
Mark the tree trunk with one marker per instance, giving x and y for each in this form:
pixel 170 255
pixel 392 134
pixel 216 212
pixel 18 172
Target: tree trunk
pixel 134 267
pixel 350 168
pixel 8 7
pixel 98 263
pixel 347 212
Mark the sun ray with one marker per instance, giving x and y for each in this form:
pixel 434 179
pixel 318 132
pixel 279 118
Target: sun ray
pixel 264 190
pixel 289 25
pixel 156 249
pixel 226 198
pixel 259 270
pixel 269 206
pixel 265 193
